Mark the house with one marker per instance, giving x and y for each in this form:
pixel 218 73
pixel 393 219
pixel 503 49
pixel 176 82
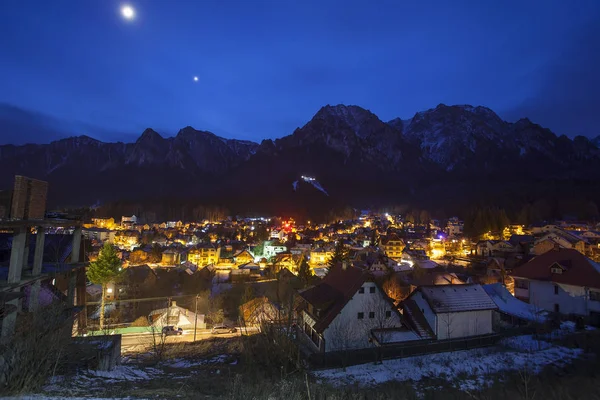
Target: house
pixel 243 257
pixel 488 248
pixel 203 254
pixel 259 310
pixel 449 311
pixel 512 310
pixel 99 234
pixel 172 257
pixel 561 238
pixel 128 222
pixel 127 239
pixel 176 316
pixel 271 248
pixel 320 256
pixel 562 281
pixel 431 278
pixel 392 246
pixel 340 311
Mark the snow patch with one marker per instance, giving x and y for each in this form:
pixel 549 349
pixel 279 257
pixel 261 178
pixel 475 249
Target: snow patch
pixel 478 365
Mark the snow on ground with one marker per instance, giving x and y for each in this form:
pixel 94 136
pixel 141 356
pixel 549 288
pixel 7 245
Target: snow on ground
pixel 185 363
pixel 318 186
pixel 476 366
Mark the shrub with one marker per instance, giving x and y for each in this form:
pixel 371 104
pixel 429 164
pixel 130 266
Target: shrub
pixel 140 322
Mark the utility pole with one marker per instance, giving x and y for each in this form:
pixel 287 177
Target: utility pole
pixel 196 318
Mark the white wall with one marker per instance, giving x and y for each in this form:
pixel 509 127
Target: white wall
pixel 425 309
pixel 349 332
pixel 464 324
pixel 571 299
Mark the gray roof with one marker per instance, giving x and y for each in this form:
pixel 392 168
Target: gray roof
pixel 457 298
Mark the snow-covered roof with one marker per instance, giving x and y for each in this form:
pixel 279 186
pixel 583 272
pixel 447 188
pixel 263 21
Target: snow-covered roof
pixel 457 298
pixel 508 304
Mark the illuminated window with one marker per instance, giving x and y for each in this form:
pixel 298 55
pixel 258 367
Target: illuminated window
pixel 109 290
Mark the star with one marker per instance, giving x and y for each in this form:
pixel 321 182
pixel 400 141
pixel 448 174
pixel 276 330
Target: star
pixel 128 12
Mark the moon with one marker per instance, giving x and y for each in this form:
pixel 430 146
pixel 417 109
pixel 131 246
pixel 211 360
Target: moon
pixel 128 12
pixel 195 79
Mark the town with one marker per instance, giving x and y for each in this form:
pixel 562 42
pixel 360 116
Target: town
pixel 379 287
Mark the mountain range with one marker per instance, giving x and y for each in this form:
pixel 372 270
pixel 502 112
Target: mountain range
pixel 440 158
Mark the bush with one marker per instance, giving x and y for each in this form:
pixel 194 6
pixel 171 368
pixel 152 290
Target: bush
pixel 140 322
pixel 37 350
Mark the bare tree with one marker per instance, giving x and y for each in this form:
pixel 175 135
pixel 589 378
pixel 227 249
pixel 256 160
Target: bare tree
pixel 343 336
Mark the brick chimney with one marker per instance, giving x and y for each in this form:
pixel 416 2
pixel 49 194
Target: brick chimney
pixel 556 246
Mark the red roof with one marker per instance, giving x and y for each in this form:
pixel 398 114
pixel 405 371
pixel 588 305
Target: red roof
pixel 333 293
pixel 577 269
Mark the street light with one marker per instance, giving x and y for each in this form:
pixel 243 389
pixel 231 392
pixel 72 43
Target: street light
pixel 196 317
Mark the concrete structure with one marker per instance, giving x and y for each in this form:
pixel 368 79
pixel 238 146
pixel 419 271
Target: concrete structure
pixel 28 199
pixel 23 274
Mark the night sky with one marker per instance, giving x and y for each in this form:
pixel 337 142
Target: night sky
pixel 265 67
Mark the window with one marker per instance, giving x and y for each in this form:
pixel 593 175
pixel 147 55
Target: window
pixel 372 289
pixel 594 296
pixel 388 314
pixel 361 315
pixel 556 308
pixel 361 290
pixel 555 289
pixel 372 314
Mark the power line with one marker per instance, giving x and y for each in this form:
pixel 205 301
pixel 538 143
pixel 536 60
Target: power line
pixel 94 303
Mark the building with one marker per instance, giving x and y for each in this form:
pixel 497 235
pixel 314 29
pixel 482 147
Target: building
pixel 563 281
pixel 203 254
pixel 454 227
pixel 449 311
pixel 99 234
pixel 340 312
pixel 129 222
pixel 28 198
pixel 393 246
pixel 127 239
pixel 562 239
pixel 320 256
pixel 271 248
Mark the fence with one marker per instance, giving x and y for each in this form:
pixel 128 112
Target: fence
pixel 376 354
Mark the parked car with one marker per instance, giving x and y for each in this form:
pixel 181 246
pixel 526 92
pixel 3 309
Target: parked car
pixel 171 330
pixel 222 328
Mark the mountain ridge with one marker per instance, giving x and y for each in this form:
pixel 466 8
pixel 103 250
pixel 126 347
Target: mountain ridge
pixel 361 159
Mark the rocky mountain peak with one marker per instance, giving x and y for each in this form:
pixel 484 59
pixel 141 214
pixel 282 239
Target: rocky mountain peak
pixel 150 136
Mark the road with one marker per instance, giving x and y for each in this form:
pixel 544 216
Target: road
pixel 139 342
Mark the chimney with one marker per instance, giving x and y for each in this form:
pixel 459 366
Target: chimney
pixel 556 246
pixel 173 303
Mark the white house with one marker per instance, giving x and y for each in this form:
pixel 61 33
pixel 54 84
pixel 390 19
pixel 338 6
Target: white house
pixel 178 317
pixel 562 281
pixel 272 248
pixel 128 221
pixel 340 312
pixel 449 311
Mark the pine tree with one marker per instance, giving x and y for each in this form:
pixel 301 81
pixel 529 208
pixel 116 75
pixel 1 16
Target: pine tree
pixel 340 254
pixel 304 273
pixel 374 238
pixel 106 269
